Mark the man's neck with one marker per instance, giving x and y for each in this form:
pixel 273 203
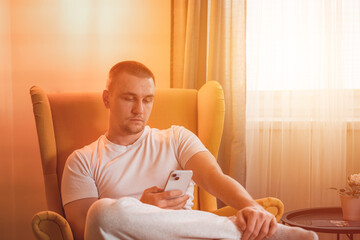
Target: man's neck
pixel 123 139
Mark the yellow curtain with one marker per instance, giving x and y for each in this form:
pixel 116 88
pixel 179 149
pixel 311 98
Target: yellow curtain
pixel 208 43
pixel 189 43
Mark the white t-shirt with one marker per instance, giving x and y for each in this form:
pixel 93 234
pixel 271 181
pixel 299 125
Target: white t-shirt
pixel 106 170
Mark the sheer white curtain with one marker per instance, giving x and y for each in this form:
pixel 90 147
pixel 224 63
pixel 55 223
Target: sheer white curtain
pixel 303 81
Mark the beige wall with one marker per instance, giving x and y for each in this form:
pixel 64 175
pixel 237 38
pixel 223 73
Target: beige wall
pixel 63 46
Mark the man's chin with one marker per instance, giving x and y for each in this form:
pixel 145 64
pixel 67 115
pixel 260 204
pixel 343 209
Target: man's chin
pixel 135 129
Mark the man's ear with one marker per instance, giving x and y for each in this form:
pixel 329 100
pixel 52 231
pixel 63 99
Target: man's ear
pixel 106 98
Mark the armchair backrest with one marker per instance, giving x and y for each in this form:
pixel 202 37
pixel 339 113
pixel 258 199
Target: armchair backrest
pixel 68 121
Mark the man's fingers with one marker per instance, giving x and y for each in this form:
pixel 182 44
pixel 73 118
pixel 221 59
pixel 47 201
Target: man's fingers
pixel 255 223
pixel 149 195
pixel 171 194
pixel 263 230
pixel 241 222
pixel 273 227
pixel 169 199
pixel 177 203
pixel 248 234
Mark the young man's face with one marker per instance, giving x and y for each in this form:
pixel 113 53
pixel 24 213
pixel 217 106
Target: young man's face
pixel 130 103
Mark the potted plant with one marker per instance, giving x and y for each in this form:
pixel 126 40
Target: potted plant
pixel 350 198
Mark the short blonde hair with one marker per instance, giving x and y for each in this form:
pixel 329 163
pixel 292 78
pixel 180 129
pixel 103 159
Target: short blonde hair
pixel 132 67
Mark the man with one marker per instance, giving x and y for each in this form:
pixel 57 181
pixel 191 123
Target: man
pixel 111 190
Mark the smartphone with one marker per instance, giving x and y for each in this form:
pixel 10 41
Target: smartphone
pixel 178 180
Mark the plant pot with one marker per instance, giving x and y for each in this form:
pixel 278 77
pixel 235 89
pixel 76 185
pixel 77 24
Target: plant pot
pixel 350 208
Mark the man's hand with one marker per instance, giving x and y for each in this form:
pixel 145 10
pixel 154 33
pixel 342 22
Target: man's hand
pixel 256 223
pixel 157 197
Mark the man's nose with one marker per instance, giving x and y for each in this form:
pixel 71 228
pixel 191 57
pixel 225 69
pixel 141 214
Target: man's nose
pixel 138 107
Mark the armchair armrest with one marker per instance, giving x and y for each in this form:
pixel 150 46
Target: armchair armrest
pixel 272 205
pixel 48 225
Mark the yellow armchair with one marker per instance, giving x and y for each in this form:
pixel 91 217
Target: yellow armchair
pixel 68 121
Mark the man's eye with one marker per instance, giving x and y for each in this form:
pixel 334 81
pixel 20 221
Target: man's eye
pixel 130 99
pixel 148 100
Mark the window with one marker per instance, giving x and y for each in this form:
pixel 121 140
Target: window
pixel 303 45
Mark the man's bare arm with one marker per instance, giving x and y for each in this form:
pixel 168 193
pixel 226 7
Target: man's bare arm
pixel 209 176
pixel 76 212
pixel 253 220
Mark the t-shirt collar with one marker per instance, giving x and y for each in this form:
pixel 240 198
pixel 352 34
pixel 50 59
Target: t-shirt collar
pixel 122 147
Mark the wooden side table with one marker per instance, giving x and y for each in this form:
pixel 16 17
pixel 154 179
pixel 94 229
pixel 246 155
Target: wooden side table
pixel 326 220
